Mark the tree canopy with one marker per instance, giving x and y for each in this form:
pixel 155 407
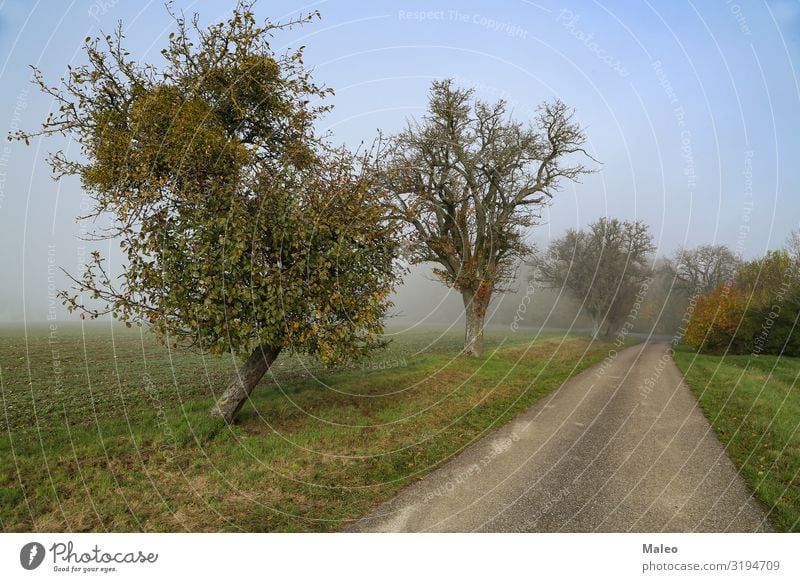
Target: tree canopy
pixel 705 267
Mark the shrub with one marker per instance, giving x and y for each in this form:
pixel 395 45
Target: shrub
pixel 757 314
pixel 718 315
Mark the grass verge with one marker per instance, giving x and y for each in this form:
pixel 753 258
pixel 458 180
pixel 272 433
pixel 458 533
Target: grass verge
pixel 753 404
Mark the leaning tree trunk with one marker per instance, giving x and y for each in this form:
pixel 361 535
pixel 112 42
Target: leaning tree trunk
pixel 475 306
pixel 247 377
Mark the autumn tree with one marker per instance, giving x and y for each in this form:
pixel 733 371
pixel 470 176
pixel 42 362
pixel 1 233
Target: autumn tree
pixel 704 268
pixel 758 312
pixel 768 277
pixel 242 231
pixel 718 321
pixel 469 182
pixel 772 319
pixel 604 267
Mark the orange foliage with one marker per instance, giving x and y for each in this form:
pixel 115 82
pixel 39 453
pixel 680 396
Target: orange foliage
pixel 716 319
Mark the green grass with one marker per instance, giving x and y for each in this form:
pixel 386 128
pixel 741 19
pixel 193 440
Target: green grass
pixel 111 433
pixel 753 403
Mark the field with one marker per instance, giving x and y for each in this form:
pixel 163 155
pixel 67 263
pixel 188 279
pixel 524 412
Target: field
pixel 106 430
pixel 753 403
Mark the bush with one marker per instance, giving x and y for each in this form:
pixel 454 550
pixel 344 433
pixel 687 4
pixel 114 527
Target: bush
pixel 775 329
pixel 715 324
pixel 758 314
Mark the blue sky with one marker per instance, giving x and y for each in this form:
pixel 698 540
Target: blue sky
pixel 692 108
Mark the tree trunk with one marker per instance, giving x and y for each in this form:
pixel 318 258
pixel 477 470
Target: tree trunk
pixel 596 327
pixel 247 377
pixel 475 305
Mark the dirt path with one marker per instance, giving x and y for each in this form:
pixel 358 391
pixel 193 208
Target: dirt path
pixel 621 447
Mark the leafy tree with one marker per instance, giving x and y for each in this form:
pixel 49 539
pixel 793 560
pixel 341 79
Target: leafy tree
pixel 242 231
pixel 716 319
pixel 705 267
pixel 604 267
pixel 757 313
pixel 469 182
pixel 766 278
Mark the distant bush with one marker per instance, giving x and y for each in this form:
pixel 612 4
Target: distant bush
pixel 775 332
pixel 716 319
pixel 758 313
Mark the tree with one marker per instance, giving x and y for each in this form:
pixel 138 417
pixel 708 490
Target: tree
pixel 468 182
pixel 604 267
pixel 770 277
pixel 793 248
pixel 242 231
pixel 757 313
pixel 718 321
pixel 705 267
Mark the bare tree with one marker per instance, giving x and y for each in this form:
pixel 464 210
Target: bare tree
pixel 469 182
pixel 603 266
pixel 705 267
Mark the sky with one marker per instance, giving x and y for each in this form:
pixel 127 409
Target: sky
pixel 691 108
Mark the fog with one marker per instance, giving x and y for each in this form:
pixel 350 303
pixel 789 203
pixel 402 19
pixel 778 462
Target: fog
pixel 424 301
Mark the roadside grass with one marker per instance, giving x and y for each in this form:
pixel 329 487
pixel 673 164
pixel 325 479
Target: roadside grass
pixel 753 404
pixel 112 434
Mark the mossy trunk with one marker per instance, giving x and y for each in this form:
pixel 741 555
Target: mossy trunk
pixel 247 378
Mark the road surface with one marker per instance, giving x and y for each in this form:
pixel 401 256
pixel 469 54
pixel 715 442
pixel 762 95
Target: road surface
pixel 621 447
